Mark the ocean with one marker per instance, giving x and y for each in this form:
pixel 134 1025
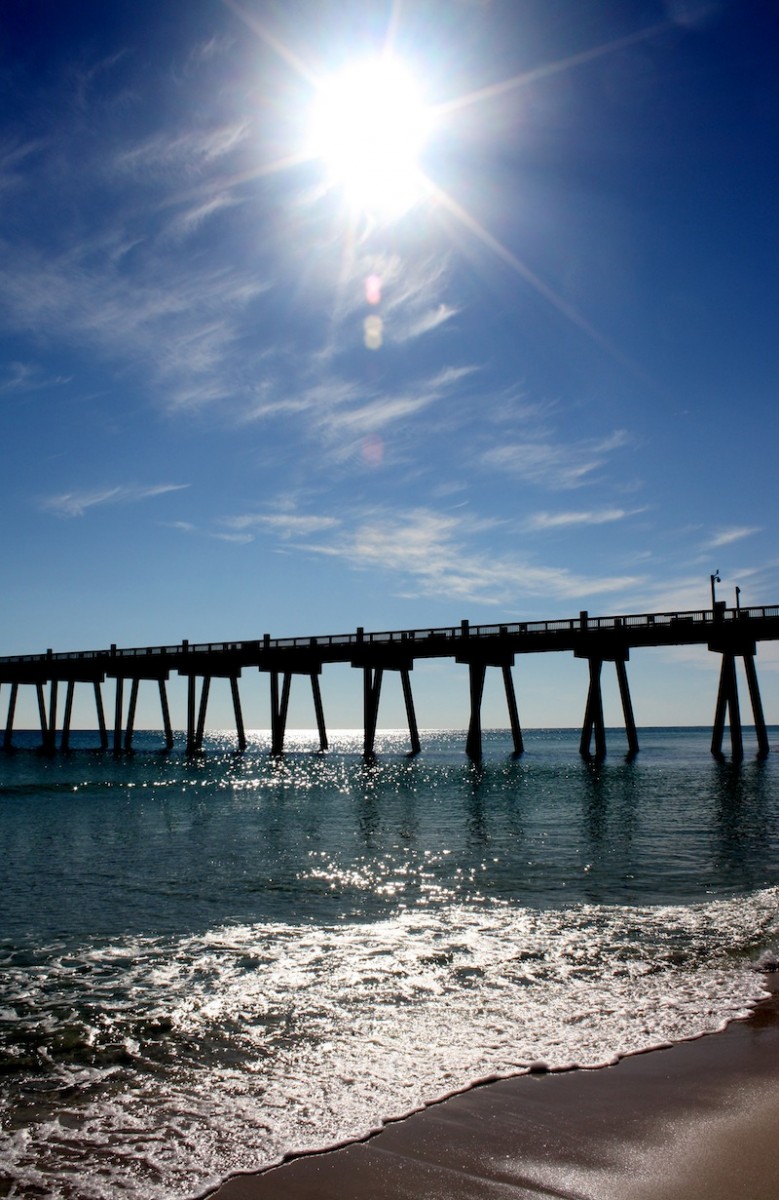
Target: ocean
pixel 209 963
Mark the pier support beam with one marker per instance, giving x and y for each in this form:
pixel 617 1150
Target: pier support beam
pixel 279 705
pixel 66 717
pixel 49 740
pixel 728 704
pixel 205 689
pixel 373 675
pixel 118 706
pixel 42 714
pixel 319 711
pixel 130 727
pixel 757 705
pixel 476 673
pixel 198 711
pixel 196 724
pixel 593 714
pixel 9 719
pixel 166 715
pixel 627 707
pixel 593 723
pixel 239 729
pixel 511 701
pixel 280 686
pixel 101 716
pixel 191 700
pixel 124 728
pixel 477 665
pixel 410 713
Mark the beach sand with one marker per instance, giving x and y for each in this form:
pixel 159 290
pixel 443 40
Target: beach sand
pixel 697 1121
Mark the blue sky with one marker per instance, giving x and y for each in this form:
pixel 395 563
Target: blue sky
pixel 565 393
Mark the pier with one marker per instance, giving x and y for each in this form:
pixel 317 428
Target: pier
pixel 731 633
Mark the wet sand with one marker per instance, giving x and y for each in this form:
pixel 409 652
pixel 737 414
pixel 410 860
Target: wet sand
pixel 698 1121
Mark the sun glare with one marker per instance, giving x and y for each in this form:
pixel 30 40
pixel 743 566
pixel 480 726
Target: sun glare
pixel 369 125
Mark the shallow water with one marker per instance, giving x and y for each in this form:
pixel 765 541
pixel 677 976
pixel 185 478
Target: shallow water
pixel 209 963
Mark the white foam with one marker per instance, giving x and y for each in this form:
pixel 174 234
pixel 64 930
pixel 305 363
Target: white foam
pixel 255 1041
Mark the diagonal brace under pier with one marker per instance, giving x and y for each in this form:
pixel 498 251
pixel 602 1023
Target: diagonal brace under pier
pixel 728 705
pixel 593 714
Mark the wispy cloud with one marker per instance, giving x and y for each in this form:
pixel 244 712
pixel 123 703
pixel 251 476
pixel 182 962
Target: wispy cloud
pixel 437 554
pixel 284 525
pixel 337 412
pixel 726 536
pixel 565 520
pixel 27 377
pixel 186 222
pixel 422 552
pixel 193 530
pixel 426 322
pixel 193 150
pixel 14 160
pixel 127 288
pixel 555 464
pixel 181 324
pixel 75 504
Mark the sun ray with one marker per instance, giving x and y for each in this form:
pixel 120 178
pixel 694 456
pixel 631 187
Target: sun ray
pixel 220 185
pixel 563 64
pixel 523 270
pixel 283 51
pixel 393 25
pixel 438 195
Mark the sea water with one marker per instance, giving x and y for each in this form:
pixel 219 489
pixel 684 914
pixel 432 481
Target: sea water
pixel 208 963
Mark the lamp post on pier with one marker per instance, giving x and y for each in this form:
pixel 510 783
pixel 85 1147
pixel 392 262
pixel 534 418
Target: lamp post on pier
pixel 714 579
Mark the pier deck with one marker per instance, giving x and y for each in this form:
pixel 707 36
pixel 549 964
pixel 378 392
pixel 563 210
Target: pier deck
pixel 730 632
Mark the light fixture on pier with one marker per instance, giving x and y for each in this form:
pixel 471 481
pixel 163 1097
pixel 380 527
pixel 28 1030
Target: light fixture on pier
pixel 714 579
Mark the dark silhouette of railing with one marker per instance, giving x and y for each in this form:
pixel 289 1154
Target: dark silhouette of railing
pixel 730 632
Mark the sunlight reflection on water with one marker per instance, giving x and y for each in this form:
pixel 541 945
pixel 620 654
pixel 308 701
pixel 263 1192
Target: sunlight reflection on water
pixel 208 963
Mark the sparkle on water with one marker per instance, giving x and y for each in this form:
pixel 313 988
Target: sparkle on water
pixel 209 963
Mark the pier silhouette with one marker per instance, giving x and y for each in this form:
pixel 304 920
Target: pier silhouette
pixel 730 632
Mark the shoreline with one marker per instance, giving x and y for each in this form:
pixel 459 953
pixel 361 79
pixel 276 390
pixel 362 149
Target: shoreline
pixel 694 1121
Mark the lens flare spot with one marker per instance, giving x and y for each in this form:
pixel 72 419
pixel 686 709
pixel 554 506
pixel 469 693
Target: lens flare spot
pixel 373 450
pixel 373 332
pixel 373 289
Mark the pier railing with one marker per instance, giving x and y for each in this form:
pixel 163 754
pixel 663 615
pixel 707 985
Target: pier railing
pixel 730 632
pixel 704 619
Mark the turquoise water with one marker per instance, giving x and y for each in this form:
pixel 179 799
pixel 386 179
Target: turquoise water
pixel 208 963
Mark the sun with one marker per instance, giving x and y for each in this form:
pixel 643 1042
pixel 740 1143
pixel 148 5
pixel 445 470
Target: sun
pixel 369 124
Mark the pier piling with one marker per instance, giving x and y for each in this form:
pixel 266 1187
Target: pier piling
pixel 733 633
pixel 410 714
pixel 101 716
pixel 372 678
pixel 593 723
pixel 728 706
pixel 9 720
pixel 239 729
pixel 476 674
pixel 279 705
pixel 511 701
pixel 66 716
pixel 165 715
pixel 319 711
pixel 593 714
